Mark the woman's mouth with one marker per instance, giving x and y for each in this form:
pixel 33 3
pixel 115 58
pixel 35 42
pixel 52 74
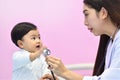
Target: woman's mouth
pixel 90 29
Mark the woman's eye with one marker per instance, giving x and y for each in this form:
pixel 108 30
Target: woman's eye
pixel 86 14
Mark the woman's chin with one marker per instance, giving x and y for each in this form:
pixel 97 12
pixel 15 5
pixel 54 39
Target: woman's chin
pixel 96 34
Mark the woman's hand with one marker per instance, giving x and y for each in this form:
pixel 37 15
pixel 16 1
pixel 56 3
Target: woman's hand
pixel 59 69
pixel 56 65
pixel 48 77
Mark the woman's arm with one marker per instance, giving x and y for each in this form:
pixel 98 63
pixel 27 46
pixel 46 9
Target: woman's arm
pixel 58 67
pixel 69 75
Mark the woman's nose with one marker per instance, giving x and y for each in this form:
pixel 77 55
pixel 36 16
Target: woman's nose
pixel 85 22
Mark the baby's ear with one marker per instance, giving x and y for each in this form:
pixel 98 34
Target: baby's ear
pixel 20 43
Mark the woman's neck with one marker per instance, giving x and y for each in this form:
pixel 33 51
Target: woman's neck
pixel 114 33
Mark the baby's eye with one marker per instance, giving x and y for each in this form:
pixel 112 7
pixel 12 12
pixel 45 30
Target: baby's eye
pixel 33 38
pixel 39 37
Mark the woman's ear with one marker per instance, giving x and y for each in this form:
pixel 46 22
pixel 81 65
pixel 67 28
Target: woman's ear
pixel 20 43
pixel 103 13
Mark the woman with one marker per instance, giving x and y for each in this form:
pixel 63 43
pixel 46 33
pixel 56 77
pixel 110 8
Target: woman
pixel 102 17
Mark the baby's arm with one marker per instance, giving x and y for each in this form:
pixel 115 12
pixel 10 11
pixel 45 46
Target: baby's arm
pixel 20 58
pixel 36 54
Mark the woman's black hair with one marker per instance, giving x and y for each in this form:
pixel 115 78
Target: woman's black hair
pixel 113 9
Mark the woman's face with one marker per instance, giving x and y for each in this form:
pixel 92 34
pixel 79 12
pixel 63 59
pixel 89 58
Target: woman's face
pixel 93 20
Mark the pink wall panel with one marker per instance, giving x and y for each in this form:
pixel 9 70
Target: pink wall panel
pixel 61 24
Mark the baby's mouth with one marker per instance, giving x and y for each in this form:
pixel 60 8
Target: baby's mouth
pixel 38 46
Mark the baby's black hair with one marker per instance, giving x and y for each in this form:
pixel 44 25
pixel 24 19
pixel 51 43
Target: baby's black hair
pixel 21 29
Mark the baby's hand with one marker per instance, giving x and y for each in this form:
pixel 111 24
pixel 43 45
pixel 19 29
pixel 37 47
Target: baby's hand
pixel 40 51
pixel 37 54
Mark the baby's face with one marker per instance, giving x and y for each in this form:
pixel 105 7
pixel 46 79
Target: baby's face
pixel 31 41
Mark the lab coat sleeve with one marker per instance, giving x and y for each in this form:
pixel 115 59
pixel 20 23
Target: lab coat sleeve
pixel 108 74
